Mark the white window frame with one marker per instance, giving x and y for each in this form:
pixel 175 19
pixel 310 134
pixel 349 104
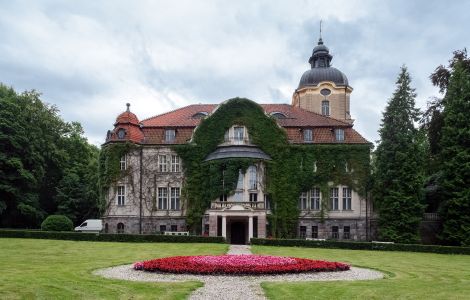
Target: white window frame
pixel 123 162
pixel 308 135
pixel 253 179
pixel 175 163
pixel 238 135
pixel 339 134
pixel 175 194
pixel 170 135
pixel 315 198
pixel 303 203
pixel 162 198
pixel 162 163
pixel 334 198
pixel 325 108
pixel 121 195
pixel 347 198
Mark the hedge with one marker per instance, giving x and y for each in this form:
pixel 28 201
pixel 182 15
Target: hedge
pixel 57 223
pixel 362 246
pixel 133 238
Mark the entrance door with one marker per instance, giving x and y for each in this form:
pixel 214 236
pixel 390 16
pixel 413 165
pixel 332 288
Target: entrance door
pixel 237 233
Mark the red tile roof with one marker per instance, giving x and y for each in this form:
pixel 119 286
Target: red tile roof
pixel 296 118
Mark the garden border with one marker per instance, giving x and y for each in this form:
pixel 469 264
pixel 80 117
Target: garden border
pixel 362 246
pixel 108 237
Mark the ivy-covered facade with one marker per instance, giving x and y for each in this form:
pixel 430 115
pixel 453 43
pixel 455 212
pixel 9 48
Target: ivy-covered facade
pixel 241 169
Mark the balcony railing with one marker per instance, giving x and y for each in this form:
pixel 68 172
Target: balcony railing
pixel 431 217
pixel 228 204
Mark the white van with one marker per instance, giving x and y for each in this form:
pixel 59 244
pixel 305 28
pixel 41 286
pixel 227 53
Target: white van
pixel 91 225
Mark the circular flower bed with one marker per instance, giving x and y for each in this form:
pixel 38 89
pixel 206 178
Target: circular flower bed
pixel 238 264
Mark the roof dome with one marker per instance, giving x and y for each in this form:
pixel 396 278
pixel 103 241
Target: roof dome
pixel 321 70
pixel 314 76
pixel 127 117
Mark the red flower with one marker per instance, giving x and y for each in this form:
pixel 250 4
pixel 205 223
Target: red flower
pixel 240 264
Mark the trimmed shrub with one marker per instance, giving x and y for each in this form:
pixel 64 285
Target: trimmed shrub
pixel 57 223
pixel 131 238
pixel 361 246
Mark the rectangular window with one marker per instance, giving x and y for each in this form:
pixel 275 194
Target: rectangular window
pixel 315 232
pixel 175 163
pixel 253 178
pixel 308 137
pixel 123 162
pixel 303 232
pixel 170 135
pixel 174 228
pixel 121 195
pixel 223 198
pixel 175 198
pixel 253 197
pixel 339 134
pixel 267 201
pixel 303 201
pixel 347 198
pixel 325 107
pixel 163 198
pixel 347 232
pixel 335 232
pixel 162 228
pixel 334 201
pixel 238 133
pixel 315 199
pixel 162 163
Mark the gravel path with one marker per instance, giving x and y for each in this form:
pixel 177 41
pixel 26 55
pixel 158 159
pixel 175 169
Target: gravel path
pixel 234 287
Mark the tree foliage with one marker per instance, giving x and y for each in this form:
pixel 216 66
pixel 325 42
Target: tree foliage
pixel 454 157
pixel 39 153
pixel 399 166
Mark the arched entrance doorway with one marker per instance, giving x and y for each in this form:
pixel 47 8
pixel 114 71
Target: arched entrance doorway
pixel 237 233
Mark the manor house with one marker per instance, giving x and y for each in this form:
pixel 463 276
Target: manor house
pixel 149 198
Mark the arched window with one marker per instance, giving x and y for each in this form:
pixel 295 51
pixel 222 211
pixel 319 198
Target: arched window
pixel 325 107
pixel 121 133
pixel 120 228
pixel 106 228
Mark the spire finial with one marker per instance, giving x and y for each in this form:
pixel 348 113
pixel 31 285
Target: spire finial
pixel 128 107
pixel 320 40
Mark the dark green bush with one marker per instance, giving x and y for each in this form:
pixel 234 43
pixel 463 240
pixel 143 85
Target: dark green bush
pixel 133 238
pixel 361 246
pixel 57 223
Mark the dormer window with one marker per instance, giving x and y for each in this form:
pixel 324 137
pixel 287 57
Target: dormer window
pixel 278 115
pixel 339 135
pixel 121 133
pixel 170 135
pixel 308 136
pixel 325 107
pixel 200 115
pixel 238 133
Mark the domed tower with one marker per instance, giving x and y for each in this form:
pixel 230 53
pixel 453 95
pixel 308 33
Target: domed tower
pixel 126 128
pixel 323 89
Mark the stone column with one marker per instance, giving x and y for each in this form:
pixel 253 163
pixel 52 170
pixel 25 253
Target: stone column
pixel 262 226
pixel 212 225
pixel 250 228
pixel 224 226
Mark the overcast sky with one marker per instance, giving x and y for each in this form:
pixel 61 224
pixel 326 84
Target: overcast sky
pixel 91 57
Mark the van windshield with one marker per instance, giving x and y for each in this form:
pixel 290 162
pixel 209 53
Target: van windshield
pixel 83 225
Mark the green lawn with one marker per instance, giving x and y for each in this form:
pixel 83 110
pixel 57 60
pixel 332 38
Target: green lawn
pixel 409 275
pixel 49 269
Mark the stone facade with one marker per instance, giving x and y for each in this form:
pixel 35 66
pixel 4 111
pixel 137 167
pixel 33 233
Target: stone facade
pixel 148 199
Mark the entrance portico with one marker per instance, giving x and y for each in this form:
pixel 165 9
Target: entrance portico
pixel 237 222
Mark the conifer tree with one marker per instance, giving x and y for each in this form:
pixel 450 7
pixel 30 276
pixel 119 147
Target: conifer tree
pixel 399 166
pixel 455 158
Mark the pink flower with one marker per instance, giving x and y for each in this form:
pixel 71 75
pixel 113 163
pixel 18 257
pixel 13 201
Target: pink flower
pixel 238 264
